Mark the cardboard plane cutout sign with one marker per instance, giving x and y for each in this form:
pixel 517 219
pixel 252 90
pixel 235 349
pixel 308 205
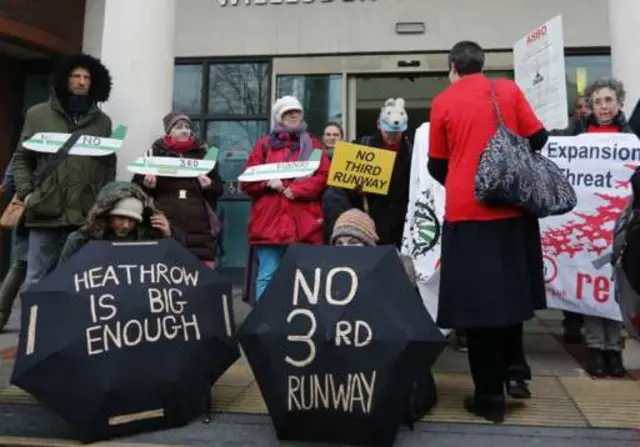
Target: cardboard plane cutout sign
pixel 175 166
pixel 87 145
pixel 282 170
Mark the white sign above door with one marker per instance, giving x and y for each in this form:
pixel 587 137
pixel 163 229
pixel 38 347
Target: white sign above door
pixel 284 2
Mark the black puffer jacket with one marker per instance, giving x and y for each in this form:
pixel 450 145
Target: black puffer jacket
pixel 388 212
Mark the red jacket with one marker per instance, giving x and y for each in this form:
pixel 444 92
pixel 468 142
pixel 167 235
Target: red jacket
pixel 276 220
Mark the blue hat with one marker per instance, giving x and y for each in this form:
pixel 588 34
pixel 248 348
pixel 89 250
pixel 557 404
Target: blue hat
pixel 393 117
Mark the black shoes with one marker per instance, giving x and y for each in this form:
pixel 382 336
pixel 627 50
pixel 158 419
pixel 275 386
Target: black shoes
pixel 518 389
pixel 613 361
pixel 596 365
pixel 491 408
pixel 605 363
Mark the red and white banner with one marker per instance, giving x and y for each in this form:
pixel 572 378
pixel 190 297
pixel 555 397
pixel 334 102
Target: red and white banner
pixel 599 167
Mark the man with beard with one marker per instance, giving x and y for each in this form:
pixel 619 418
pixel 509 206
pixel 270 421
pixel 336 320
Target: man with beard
pixel 60 203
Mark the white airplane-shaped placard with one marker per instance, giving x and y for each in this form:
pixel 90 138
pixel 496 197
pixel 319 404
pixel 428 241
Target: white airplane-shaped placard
pixel 87 145
pixel 282 170
pixel 175 166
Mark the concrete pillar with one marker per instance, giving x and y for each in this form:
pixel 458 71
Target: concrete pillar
pixel 137 47
pixel 624 18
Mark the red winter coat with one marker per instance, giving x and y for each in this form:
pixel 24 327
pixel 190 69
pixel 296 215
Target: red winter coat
pixel 275 220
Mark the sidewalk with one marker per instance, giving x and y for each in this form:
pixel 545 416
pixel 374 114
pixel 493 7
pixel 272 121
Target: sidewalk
pixel 569 405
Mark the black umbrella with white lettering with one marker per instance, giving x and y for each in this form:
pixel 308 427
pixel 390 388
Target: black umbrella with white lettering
pixel 126 337
pixel 335 343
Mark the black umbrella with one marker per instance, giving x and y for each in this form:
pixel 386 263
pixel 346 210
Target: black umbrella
pixel 335 343
pixel 126 337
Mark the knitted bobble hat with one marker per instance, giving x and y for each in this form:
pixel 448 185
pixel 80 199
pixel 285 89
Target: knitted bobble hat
pixel 357 224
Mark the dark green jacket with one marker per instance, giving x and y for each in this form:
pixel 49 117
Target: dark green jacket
pixel 96 226
pixel 65 197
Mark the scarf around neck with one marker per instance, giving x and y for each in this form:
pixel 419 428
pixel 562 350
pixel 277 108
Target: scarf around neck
pixel 281 136
pixel 178 146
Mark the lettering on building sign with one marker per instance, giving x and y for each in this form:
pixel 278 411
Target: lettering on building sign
pixel 168 317
pixel 344 391
pixel 285 2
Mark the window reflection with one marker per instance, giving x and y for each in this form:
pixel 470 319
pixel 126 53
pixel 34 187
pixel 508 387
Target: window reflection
pixel 582 71
pixel 235 140
pixel 239 89
pixel 320 95
pixel 187 89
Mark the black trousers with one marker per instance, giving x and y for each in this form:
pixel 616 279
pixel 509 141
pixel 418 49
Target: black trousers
pixel 495 356
pixel 572 321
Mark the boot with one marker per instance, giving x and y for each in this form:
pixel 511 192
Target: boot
pixel 615 368
pixel 9 290
pixel 492 408
pixel 596 365
pixel 518 389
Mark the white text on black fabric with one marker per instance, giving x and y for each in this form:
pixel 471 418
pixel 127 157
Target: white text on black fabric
pixel 167 318
pixel 346 391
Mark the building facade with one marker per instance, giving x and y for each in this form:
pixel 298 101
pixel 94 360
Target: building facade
pixel 224 61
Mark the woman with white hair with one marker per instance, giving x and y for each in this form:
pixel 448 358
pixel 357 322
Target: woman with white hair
pixel 603 336
pixel 284 211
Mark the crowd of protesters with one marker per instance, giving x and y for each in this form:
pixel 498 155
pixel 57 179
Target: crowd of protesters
pixel 491 267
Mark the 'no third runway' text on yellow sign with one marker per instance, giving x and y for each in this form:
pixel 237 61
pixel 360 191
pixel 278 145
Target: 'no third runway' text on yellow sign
pixel 366 167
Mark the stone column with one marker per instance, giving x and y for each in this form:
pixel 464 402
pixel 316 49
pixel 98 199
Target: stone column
pixel 624 18
pixel 137 46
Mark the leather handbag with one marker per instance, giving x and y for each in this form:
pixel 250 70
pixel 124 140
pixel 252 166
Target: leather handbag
pixel 510 173
pixel 14 212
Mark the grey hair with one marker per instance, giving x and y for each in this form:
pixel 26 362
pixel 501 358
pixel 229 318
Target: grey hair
pixel 612 83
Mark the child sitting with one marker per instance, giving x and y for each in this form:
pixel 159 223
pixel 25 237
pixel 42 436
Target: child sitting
pixel 356 228
pixel 122 212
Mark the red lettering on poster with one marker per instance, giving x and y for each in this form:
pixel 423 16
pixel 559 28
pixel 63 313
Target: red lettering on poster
pixel 537 34
pixel 598 286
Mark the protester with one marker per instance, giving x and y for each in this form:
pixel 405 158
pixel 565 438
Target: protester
pixel 356 228
pixel 572 322
pixel 388 211
pixel 333 133
pixel 491 270
pixel 581 109
pixel 20 245
pixel 60 204
pixel 189 203
pixel 288 210
pixel 122 213
pixel 603 336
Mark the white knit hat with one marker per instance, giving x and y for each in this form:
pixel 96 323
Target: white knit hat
pixel 284 105
pixel 128 207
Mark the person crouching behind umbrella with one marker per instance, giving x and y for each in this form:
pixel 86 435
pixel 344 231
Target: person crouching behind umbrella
pixel 122 212
pixel 356 228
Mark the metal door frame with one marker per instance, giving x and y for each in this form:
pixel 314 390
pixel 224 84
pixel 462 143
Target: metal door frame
pixel 351 66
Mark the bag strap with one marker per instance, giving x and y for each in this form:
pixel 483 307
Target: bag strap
pixel 494 102
pixel 54 161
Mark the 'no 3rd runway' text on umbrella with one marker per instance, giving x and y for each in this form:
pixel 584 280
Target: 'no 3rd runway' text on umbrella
pixel 126 337
pixel 335 343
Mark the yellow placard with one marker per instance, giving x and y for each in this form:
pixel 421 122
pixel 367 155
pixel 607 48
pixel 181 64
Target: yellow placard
pixel 581 80
pixel 369 168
